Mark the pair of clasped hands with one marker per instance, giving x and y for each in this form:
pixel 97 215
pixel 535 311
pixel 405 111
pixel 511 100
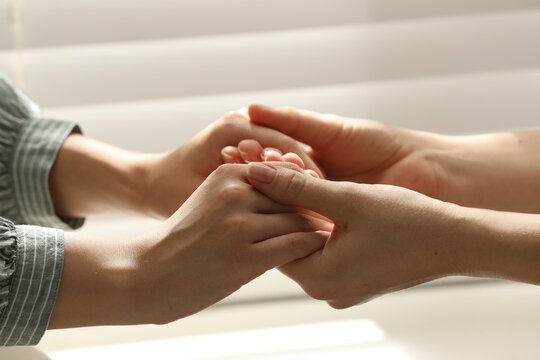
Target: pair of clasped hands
pixel 309 210
pixel 349 209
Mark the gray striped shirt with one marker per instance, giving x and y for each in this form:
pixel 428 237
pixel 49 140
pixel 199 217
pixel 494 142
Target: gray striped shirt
pixel 31 257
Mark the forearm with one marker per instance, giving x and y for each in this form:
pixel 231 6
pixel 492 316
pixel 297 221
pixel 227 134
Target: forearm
pixel 96 286
pixel 90 177
pixel 495 171
pixel 498 244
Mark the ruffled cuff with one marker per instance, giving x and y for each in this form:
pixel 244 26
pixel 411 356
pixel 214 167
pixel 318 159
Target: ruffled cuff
pixel 8 256
pixel 30 270
pixel 28 148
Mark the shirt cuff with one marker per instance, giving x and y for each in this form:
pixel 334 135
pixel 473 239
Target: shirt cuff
pixel 32 291
pixel 33 157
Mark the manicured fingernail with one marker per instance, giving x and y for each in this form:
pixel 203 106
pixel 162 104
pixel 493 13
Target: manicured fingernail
pixel 262 173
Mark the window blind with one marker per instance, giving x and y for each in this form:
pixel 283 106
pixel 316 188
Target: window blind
pixel 115 66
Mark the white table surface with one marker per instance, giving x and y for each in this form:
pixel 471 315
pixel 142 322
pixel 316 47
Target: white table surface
pixel 494 320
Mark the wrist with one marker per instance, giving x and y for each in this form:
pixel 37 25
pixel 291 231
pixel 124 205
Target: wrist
pixel 97 286
pixel 488 171
pixel 90 177
pixel 164 182
pixel 502 245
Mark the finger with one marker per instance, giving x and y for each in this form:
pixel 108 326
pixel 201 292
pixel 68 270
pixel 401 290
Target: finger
pixel 234 128
pixel 265 226
pixel 261 204
pixel 295 159
pixel 271 154
pixel 270 205
pixel 312 173
pixel 346 303
pixel 231 155
pixel 305 270
pixel 287 248
pixel 302 125
pixel 250 150
pixel 243 111
pixel 291 187
pixel 229 183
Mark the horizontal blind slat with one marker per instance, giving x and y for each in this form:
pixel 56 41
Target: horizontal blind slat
pixel 455 105
pixel 310 57
pixel 68 22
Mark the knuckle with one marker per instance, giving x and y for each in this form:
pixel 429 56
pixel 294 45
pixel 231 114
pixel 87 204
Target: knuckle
pixel 226 124
pixel 235 224
pixel 231 192
pixel 232 117
pixel 226 169
pixel 294 186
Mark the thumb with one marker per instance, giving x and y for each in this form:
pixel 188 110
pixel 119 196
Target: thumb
pixel 302 125
pixel 295 188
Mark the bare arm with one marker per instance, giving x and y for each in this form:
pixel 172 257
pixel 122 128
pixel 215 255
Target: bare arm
pixel 388 238
pixel 496 171
pixel 91 177
pixel 225 235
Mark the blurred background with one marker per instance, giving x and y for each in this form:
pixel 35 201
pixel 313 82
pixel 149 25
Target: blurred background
pixel 148 75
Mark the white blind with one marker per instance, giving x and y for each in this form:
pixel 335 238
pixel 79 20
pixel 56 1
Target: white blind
pixel 149 74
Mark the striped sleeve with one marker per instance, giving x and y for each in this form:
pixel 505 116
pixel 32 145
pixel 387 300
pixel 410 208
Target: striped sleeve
pixel 31 257
pixel 28 285
pixel 28 148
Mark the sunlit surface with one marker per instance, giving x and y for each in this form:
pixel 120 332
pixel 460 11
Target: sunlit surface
pixel 339 339
pixel 494 320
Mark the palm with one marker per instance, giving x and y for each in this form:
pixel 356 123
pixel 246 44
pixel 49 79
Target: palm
pixel 368 152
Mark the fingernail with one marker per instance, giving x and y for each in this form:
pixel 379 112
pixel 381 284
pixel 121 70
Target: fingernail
pixel 227 158
pixel 272 155
pixel 262 173
pixel 273 149
pixel 245 156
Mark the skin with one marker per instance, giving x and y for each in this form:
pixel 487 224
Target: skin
pixel 495 171
pixel 201 253
pixel 91 177
pixel 388 238
pixel 225 235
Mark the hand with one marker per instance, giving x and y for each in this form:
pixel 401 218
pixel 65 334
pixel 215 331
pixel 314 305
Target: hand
pixel 497 171
pixel 172 177
pixel 225 235
pixel 385 238
pixel 361 151
pixel 91 177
